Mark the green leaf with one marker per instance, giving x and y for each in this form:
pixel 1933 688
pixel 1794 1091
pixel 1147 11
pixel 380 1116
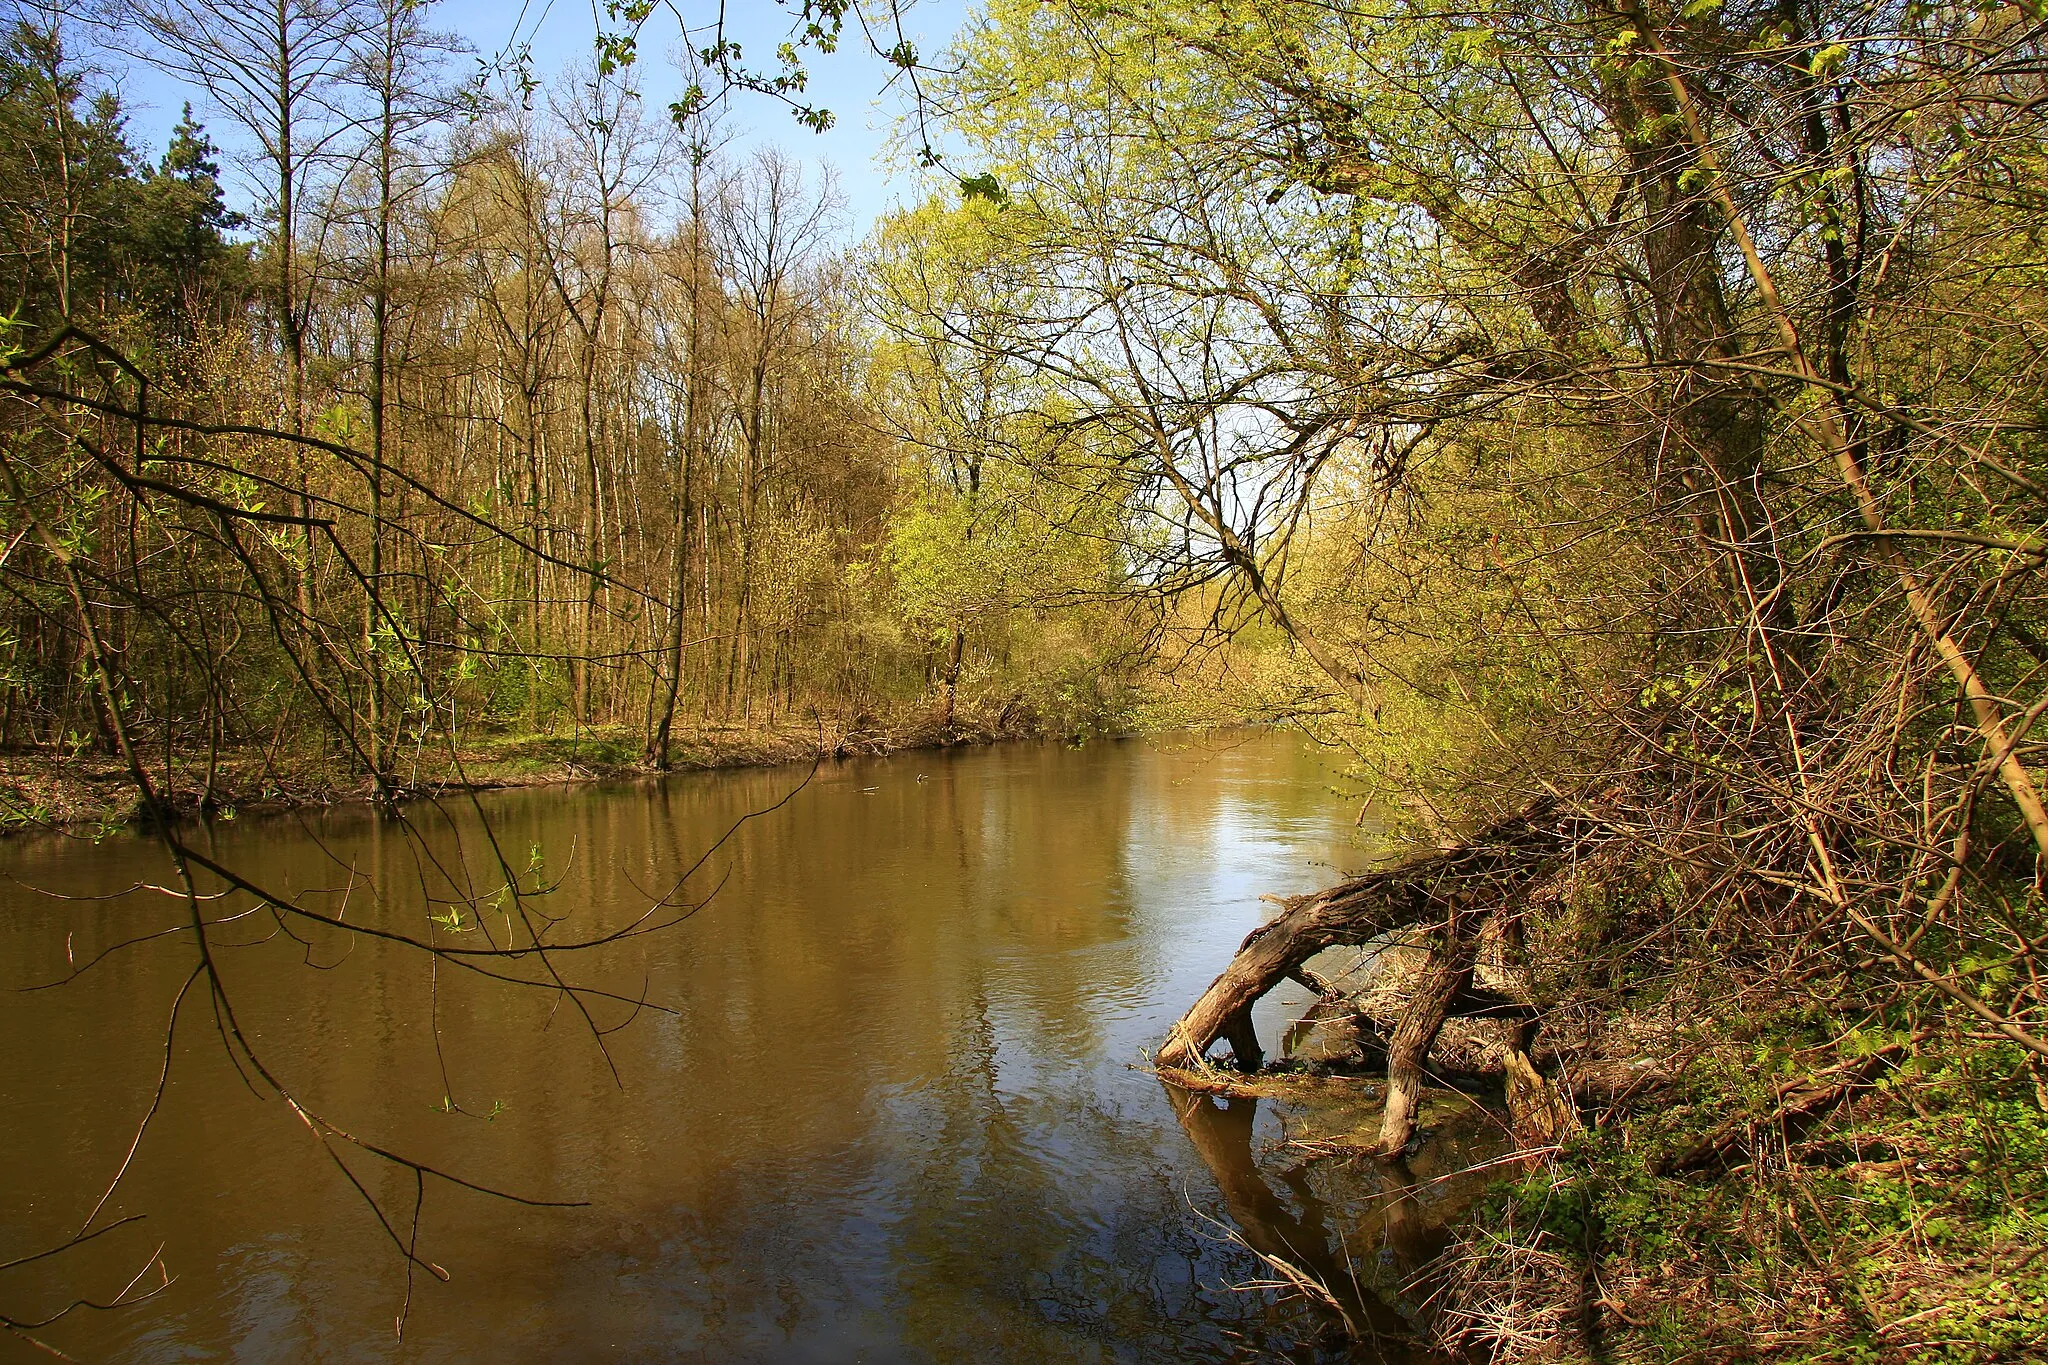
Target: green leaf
pixel 984 186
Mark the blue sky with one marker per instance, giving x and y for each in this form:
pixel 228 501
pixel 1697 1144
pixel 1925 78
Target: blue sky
pixel 854 83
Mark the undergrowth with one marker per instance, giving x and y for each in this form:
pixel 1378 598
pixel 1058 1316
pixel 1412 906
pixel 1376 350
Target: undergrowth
pixel 1909 1222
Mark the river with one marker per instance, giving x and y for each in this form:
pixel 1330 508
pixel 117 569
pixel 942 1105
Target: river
pixel 892 1117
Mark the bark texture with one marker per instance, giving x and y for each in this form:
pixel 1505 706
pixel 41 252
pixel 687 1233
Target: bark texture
pixel 1447 973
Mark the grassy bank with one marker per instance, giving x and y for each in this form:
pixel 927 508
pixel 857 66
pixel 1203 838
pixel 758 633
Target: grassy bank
pixel 86 792
pixel 1905 1218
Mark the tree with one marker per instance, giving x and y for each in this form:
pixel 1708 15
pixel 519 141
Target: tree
pixel 274 69
pixel 1564 373
pixel 69 185
pixel 1009 514
pixel 609 170
pixel 770 227
pixel 397 62
pixel 183 216
pixel 691 424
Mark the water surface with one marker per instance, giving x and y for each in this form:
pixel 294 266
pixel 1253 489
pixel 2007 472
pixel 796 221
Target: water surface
pixel 891 1117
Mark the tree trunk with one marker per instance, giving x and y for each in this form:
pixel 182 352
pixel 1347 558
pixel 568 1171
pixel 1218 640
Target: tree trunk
pixel 949 681
pixel 693 404
pixel 1540 1114
pixel 1446 974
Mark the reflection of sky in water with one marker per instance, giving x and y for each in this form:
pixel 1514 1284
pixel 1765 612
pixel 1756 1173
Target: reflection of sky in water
pixel 894 1118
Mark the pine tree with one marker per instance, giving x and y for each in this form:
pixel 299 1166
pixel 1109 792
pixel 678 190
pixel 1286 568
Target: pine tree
pixel 187 268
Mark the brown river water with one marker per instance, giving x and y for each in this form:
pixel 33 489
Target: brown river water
pixel 893 1115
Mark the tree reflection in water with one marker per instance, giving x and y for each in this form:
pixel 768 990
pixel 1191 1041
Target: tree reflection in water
pixel 1366 1253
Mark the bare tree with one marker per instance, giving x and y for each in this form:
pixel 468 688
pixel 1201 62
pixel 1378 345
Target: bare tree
pixel 771 227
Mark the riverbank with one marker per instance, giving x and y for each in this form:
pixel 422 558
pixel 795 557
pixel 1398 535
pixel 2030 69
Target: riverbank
pixel 86 792
pixel 1771 1204
pixel 1756 1155
pixel 1904 1220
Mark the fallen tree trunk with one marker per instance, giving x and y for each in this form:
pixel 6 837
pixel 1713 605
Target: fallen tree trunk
pixel 1490 869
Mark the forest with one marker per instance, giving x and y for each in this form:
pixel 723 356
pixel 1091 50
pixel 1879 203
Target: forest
pixel 1615 429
